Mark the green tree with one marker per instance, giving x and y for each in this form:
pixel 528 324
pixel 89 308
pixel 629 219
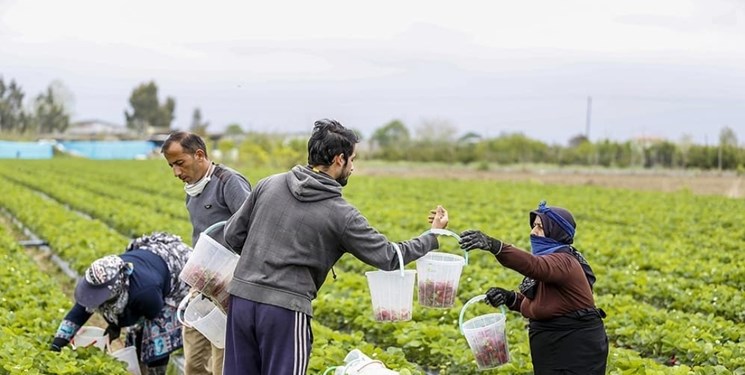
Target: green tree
pixel 435 141
pixel 683 150
pixel 514 148
pixel 466 150
pixel 392 132
pixel 50 114
pixel 147 113
pixel 727 152
pixel 391 139
pixel 12 116
pixel 612 154
pixel 233 130
pixel 197 125
pixel 660 154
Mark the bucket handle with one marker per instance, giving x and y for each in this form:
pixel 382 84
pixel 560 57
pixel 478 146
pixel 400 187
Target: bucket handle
pixel 471 301
pixel 182 307
pixel 445 232
pixel 400 258
pixel 214 226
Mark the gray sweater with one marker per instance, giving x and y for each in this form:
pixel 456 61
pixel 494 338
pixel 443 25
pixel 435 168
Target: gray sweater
pixel 222 196
pixel 292 230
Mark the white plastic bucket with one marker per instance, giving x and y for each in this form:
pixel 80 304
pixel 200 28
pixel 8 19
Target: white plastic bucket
pixel 357 363
pixel 206 318
pixel 392 292
pixel 486 336
pixel 128 355
pixel 210 268
pixel 438 275
pixel 90 336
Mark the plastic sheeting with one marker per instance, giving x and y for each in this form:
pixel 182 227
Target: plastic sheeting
pixel 25 150
pixel 110 149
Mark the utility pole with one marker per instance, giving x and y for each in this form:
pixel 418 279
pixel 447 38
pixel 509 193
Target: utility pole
pixel 589 116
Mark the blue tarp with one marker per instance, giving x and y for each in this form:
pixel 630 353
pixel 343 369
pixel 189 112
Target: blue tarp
pixel 109 149
pixel 25 150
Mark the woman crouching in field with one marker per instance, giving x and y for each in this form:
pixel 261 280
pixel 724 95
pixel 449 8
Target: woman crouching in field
pixel 139 289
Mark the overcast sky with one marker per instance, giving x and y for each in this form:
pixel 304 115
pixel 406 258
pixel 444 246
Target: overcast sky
pixel 661 68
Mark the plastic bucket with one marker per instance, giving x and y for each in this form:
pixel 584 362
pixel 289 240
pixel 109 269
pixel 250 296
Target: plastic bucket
pixel 90 336
pixel 439 275
pixel 486 336
pixel 206 318
pixel 128 355
pixel 210 268
pixel 357 363
pixel 392 292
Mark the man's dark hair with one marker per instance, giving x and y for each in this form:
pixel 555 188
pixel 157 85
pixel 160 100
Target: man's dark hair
pixel 190 142
pixel 330 138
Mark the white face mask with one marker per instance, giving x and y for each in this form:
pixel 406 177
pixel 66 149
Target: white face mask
pixel 197 187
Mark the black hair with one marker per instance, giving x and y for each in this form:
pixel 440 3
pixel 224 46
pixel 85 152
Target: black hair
pixel 190 142
pixel 330 138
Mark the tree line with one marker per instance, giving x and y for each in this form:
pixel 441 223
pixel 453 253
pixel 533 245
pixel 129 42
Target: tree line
pixel 49 112
pixel 436 142
pixel 46 113
pixel 432 141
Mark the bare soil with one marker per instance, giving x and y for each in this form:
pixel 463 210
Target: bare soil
pixel 726 184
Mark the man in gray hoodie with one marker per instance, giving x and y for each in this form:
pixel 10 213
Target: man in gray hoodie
pixel 290 232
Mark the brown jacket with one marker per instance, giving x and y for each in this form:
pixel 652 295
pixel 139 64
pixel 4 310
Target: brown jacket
pixel 561 282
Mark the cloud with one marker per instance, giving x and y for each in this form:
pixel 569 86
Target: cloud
pixel 670 65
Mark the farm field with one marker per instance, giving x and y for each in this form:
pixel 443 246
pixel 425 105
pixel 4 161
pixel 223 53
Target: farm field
pixel 670 270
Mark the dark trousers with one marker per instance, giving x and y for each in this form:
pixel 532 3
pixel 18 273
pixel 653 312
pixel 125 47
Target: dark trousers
pixel 263 339
pixel 564 346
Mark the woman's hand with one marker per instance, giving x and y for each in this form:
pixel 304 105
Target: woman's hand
pixel 438 218
pixel 58 343
pixel 475 239
pixel 498 296
pixel 113 331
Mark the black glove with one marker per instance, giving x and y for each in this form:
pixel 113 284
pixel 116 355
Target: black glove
pixel 475 239
pixel 58 343
pixel 499 296
pixel 113 331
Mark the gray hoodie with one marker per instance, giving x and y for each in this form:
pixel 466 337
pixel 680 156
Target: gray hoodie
pixel 290 232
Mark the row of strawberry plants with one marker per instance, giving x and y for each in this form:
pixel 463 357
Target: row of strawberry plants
pixel 130 220
pixel 172 207
pixel 150 176
pixel 76 239
pixel 658 212
pixel 677 234
pixel 673 292
pixel 653 209
pixel 700 341
pixel 29 314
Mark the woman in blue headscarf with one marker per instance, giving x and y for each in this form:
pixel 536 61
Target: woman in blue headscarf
pixel 566 330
